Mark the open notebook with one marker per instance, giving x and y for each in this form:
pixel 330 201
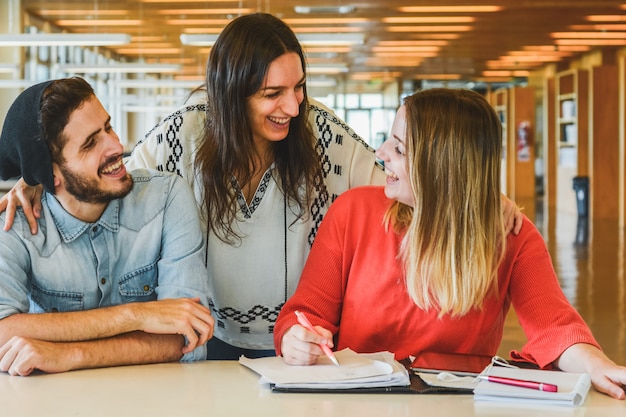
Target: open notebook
pixel 360 373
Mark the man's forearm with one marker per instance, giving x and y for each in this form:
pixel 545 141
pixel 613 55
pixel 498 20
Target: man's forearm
pixel 22 356
pixel 172 316
pixel 129 349
pixel 70 326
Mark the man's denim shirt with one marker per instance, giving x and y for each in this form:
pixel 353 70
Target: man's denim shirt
pixel 147 246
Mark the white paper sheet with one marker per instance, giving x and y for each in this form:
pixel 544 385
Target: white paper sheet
pixel 354 370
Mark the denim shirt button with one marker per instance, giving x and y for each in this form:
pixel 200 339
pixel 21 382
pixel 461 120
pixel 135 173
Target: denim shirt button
pixel 146 287
pixel 103 281
pixel 94 229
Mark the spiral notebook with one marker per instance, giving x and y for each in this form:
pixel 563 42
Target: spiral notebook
pixel 572 387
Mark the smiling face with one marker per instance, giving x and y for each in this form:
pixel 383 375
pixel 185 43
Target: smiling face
pixel 278 100
pixel 393 153
pixel 92 172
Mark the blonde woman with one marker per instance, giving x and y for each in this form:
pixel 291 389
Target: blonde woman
pixel 424 264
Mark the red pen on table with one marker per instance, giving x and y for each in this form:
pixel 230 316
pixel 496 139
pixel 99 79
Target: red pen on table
pixel 540 386
pixel 304 322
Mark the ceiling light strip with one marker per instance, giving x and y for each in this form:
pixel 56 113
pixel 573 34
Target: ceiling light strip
pixel 306 39
pixel 160 84
pixel 428 19
pixel 83 13
pixel 450 28
pixel 117 68
pixel 325 9
pixel 66 39
pixel 588 35
pixel 316 39
pixel 203 11
pixel 450 9
pixel 99 22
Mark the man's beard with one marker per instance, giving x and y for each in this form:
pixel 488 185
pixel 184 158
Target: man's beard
pixel 88 191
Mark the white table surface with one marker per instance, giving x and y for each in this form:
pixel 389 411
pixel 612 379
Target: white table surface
pixel 226 388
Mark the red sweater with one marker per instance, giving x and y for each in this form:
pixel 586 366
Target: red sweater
pixel 352 284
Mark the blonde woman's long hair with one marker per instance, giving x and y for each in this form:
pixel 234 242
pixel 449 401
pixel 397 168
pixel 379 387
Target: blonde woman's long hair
pixel 455 237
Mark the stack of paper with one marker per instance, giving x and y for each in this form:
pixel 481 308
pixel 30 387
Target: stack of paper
pixel 356 371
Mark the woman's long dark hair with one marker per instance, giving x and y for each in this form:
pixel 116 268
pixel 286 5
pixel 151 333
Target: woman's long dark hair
pixel 236 69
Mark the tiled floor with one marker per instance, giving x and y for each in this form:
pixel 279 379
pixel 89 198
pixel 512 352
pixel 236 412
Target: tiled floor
pixel 589 260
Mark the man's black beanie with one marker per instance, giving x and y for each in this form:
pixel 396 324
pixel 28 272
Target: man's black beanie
pixel 23 150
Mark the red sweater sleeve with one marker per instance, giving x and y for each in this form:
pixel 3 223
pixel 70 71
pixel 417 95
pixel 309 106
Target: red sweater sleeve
pixel 548 319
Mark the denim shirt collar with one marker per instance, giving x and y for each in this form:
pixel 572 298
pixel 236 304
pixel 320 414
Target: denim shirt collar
pixel 70 228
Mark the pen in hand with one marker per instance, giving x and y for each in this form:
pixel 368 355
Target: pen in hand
pixel 540 386
pixel 304 322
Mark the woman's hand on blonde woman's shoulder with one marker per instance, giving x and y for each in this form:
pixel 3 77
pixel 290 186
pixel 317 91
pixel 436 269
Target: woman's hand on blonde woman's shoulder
pixel 513 217
pixel 26 196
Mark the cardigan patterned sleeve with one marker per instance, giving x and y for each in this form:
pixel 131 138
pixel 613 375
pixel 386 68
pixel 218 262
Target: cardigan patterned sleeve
pixel 347 160
pixel 171 145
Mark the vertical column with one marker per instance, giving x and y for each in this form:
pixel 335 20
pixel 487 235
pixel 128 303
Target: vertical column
pixel 10 22
pixel 523 141
pixel 622 143
pixel 604 143
pixel 551 150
